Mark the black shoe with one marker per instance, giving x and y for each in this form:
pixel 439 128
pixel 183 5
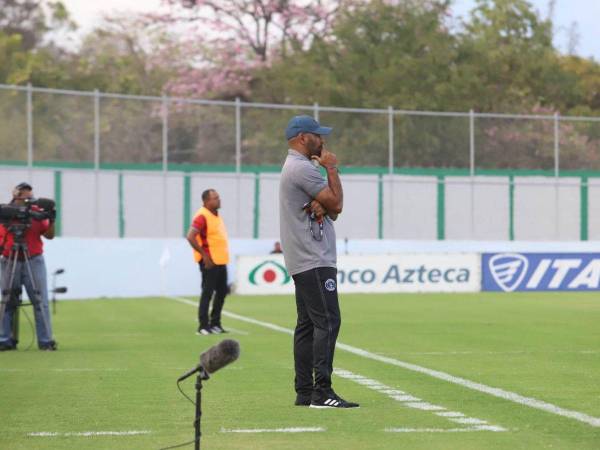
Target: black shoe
pixel 203 332
pixel 51 346
pixel 330 400
pixel 7 346
pixel 302 400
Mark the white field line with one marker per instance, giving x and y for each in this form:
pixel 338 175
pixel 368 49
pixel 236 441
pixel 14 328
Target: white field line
pixel 512 352
pixel 88 433
pixel 449 414
pixel 467 421
pixel 495 392
pixel 424 406
pixel 242 318
pixel 191 303
pixel 405 398
pixel 276 430
pixel 445 430
pixel 412 402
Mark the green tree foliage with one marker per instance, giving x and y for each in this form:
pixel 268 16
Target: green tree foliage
pixel 585 98
pixel 15 63
pixel 379 53
pixel 119 57
pixel 507 54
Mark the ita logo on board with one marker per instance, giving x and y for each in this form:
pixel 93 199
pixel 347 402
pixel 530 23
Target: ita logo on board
pixel 269 273
pixel 508 270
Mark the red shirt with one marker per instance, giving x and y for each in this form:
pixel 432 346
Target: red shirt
pixel 33 237
pixel 199 224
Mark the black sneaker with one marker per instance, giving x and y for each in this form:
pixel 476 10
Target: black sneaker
pixel 330 400
pixel 49 346
pixel 302 400
pixel 203 332
pixel 7 346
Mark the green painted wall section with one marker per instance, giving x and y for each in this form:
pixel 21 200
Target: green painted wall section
pixel 58 200
pixel 380 206
pixel 187 204
pixel 511 208
pixel 584 209
pixel 256 225
pixel 441 208
pixel 121 207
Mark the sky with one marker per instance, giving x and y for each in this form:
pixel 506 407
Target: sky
pixel 584 12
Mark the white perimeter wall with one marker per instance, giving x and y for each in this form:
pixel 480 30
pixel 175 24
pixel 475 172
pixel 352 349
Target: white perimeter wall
pixel 151 205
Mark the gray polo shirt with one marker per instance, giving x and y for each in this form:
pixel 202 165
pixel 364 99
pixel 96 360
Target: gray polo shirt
pixel 300 182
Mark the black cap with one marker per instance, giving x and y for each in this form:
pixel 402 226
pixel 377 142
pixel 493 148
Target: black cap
pixel 23 187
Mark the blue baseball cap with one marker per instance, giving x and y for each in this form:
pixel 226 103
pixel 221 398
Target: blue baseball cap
pixel 304 124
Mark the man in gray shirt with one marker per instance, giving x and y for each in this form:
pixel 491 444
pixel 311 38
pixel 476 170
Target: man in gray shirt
pixel 308 206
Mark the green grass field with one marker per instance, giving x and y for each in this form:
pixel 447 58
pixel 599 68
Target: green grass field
pixel 118 361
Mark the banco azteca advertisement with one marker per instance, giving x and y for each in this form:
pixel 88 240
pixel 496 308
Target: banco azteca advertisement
pixel 423 272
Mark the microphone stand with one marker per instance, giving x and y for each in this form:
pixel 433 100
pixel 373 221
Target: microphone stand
pixel 224 353
pixel 202 375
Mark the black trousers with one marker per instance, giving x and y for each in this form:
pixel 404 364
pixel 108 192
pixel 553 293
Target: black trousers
pixel 214 281
pixel 317 329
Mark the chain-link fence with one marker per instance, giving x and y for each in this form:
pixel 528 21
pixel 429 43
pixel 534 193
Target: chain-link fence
pixel 98 130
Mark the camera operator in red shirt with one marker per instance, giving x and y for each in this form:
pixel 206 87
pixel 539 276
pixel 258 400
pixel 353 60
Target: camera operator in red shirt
pixel 37 289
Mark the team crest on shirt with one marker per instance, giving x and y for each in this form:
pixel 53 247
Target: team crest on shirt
pixel 330 284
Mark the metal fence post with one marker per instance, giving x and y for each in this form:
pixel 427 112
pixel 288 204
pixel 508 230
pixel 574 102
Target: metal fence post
pixel 165 134
pixel 556 175
pixel 96 129
pixel 472 169
pixel 472 142
pixel 96 159
pixel 390 172
pixel 556 145
pixel 238 158
pixel 316 111
pixel 238 135
pixel 29 126
pixel 165 158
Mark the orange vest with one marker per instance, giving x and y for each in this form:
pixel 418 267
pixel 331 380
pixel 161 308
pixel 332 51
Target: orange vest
pixel 216 235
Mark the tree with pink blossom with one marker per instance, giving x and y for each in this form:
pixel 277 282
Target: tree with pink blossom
pixel 226 41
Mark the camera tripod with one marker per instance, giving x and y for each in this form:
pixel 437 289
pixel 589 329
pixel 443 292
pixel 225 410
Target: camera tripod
pixel 11 294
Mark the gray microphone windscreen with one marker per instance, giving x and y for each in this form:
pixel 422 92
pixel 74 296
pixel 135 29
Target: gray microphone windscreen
pixel 218 356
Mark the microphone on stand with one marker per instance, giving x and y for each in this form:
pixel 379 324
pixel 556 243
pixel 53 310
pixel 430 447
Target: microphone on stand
pixel 215 358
